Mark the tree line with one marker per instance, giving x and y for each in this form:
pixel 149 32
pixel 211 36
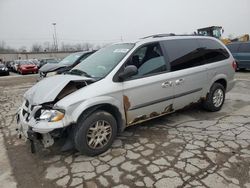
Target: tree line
pixel 49 47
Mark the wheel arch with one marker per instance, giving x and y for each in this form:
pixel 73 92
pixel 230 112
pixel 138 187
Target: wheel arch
pixel 113 110
pixel 222 82
pixel 220 78
pixel 114 107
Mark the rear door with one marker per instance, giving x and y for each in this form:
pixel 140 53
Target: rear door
pixel 189 76
pixel 148 94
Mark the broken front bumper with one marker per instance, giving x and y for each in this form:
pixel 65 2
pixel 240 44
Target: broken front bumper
pixel 33 129
pixel 25 119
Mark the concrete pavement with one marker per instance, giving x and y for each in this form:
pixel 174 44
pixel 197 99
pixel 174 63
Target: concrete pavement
pixel 190 148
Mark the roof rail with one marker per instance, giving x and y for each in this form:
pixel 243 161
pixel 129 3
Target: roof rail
pixel 169 35
pixel 159 35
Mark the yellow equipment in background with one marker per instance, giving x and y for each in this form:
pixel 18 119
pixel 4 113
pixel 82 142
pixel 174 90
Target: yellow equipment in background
pixel 213 31
pixel 217 31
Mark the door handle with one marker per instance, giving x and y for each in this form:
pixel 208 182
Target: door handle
pixel 179 81
pixel 167 84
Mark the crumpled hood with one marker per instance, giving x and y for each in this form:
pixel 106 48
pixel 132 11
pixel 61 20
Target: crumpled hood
pixel 49 67
pixel 48 89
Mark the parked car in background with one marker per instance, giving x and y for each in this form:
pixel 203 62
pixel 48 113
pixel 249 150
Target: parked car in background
pixel 65 65
pixel 47 60
pixel 26 66
pixel 35 61
pixel 9 65
pixel 15 65
pixel 4 71
pixel 126 84
pixel 241 54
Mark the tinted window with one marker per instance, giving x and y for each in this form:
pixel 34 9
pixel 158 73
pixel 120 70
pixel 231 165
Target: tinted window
pixel 183 53
pixel 233 48
pixel 244 48
pixel 148 59
pixel 213 51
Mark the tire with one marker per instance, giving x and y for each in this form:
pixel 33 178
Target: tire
pixel 209 104
pixel 106 122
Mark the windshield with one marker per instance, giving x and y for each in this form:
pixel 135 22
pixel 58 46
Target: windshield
pixel 103 61
pixel 69 60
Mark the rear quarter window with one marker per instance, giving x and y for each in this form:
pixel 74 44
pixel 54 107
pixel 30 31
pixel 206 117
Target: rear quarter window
pixel 213 51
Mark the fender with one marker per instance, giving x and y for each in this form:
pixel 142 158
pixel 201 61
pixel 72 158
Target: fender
pixel 97 101
pixel 217 77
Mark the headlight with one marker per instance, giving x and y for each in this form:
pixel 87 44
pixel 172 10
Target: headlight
pixel 51 115
pixel 51 73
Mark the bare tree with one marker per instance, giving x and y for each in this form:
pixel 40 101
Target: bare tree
pixel 22 49
pixel 47 47
pixel 4 48
pixel 36 48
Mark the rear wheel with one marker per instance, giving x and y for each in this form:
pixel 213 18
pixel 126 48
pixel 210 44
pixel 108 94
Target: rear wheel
pixel 95 134
pixel 215 98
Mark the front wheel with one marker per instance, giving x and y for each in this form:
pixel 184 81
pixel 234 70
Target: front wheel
pixel 215 98
pixel 95 134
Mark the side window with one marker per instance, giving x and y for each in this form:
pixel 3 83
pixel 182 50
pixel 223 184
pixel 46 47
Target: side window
pixel 213 51
pixel 148 60
pixel 244 48
pixel 233 48
pixel 183 53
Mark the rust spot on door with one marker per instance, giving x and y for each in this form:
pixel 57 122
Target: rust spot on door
pixel 168 109
pixel 126 102
pixel 138 119
pixel 154 114
pixel 126 106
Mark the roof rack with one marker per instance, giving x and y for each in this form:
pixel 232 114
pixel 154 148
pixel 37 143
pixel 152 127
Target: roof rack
pixel 159 35
pixel 169 35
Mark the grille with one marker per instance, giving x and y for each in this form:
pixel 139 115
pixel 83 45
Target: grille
pixel 30 110
pixel 26 111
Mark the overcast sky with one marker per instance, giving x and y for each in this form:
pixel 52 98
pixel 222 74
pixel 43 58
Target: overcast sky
pixel 24 22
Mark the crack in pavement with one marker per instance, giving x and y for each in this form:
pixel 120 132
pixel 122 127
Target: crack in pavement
pixel 186 149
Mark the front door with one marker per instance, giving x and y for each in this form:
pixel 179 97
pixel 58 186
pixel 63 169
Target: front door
pixel 148 94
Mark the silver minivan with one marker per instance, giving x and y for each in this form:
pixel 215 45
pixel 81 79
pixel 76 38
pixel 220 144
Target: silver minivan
pixel 125 84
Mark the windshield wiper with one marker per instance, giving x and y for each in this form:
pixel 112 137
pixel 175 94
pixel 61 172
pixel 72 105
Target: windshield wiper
pixel 79 72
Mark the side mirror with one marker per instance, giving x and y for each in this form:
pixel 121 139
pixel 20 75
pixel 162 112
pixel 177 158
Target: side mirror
pixel 129 71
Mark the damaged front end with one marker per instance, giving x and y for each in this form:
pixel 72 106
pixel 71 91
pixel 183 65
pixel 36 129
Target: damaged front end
pixel 39 119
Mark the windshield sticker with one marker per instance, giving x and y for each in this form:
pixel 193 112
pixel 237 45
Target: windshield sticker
pixel 121 50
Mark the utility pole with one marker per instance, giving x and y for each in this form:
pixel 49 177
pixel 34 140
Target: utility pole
pixel 55 37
